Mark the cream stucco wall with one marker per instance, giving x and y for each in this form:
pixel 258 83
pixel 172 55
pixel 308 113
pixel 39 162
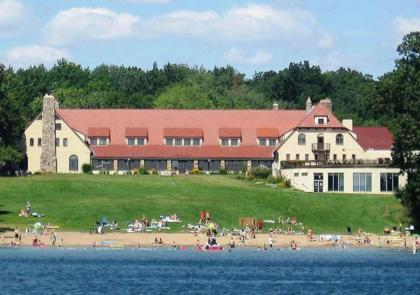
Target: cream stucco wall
pixel 303 178
pixel 75 146
pixel 34 152
pixel 350 146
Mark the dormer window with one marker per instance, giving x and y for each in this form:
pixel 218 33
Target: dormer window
pixel 136 136
pixel 321 120
pixel 136 141
pixel 98 136
pixel 230 136
pixel 230 141
pixel 183 136
pixel 267 136
pixel 98 140
pixel 183 141
pixel 267 141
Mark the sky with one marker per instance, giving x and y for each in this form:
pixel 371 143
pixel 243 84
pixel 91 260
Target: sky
pixel 249 35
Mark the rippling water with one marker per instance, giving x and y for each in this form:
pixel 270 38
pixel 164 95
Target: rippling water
pixel 242 271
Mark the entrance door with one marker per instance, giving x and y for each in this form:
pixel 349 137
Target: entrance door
pixel 318 182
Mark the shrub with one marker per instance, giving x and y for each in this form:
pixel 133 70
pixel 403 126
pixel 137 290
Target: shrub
pixel 223 171
pixel 244 166
pixel 240 176
pixel 272 179
pixel 261 172
pixel 86 168
pixel 154 172
pixel 284 182
pixel 143 171
pixel 195 171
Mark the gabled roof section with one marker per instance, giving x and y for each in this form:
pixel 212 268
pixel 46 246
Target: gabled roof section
pixel 318 111
pixel 230 132
pixel 183 132
pixel 374 138
pixel 99 132
pixel 268 133
pixel 136 132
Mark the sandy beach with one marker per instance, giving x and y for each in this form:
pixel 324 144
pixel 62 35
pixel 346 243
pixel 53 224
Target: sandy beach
pixel 120 239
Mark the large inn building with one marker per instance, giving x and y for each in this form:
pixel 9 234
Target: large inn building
pixel 310 147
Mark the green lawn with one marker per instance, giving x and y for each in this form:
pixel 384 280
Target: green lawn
pixel 75 201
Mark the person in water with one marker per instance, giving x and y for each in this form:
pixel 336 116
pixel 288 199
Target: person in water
pixel 232 243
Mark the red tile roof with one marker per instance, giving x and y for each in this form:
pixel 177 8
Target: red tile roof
pixel 98 131
pixel 209 121
pixel 136 132
pixel 268 133
pixel 171 152
pixel 319 110
pixel 230 132
pixel 183 132
pixel 376 138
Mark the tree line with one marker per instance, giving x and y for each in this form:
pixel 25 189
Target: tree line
pixel 391 100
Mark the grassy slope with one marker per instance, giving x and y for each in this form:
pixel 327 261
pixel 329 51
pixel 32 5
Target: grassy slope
pixel 75 201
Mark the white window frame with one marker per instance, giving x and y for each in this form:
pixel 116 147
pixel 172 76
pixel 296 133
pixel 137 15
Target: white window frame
pixel 230 141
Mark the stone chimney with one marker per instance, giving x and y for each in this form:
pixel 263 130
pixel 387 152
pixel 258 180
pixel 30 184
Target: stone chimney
pixel 327 103
pixel 275 105
pixel 308 104
pixel 348 123
pixel 48 154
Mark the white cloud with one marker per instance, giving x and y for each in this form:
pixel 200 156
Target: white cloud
pixel 11 13
pixel 236 56
pixel 79 24
pixel 25 56
pixel 248 23
pixel 403 26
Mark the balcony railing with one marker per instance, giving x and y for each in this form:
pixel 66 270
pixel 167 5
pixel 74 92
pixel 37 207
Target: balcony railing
pixel 320 147
pixel 334 164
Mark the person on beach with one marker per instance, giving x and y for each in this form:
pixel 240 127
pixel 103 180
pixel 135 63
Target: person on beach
pixel 270 241
pixel 53 238
pixel 310 233
pixel 293 245
pixel 414 248
pixel 349 230
pixel 17 234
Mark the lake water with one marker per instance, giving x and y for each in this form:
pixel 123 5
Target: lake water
pixel 242 271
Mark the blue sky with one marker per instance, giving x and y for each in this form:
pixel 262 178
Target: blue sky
pixel 249 35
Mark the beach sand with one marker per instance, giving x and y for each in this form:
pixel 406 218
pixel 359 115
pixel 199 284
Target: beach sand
pixel 121 239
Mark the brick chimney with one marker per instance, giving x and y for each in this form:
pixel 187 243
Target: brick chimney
pixel 48 154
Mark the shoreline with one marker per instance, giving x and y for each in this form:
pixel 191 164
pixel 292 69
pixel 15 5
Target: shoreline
pixel 172 240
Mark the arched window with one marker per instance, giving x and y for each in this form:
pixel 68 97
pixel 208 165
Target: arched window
pixel 301 139
pixel 339 139
pixel 73 163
